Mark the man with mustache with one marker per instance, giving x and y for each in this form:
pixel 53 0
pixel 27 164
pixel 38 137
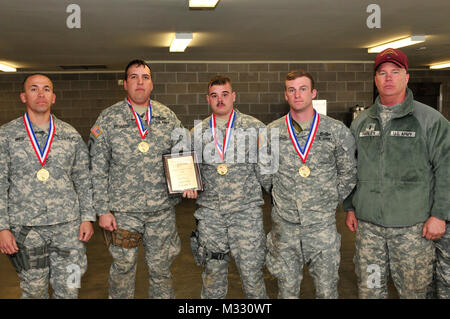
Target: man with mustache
pixel 229 217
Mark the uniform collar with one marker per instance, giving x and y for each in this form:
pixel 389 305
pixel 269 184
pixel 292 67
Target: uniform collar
pixel 155 109
pixel 38 129
pixel 405 108
pixel 236 119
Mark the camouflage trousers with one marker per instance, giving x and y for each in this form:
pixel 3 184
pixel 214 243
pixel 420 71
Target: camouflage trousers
pixel 66 259
pixel 242 233
pixel 161 243
pixel 291 246
pixel 398 251
pixel 443 266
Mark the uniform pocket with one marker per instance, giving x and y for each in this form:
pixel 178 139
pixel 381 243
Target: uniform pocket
pixel 274 262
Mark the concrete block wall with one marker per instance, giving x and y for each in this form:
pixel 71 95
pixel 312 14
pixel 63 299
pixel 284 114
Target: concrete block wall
pixel 260 87
pixel 435 76
pixel 80 97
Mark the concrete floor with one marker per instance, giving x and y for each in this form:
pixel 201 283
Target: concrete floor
pixel 187 275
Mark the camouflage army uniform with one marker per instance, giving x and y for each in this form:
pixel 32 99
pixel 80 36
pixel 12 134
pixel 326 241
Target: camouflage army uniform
pixel 403 170
pixel 132 185
pixel 48 214
pixel 303 213
pixel 230 214
pixel 443 265
pixel 377 255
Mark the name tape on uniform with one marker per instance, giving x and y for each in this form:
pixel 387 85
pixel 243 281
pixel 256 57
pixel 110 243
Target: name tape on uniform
pixel 403 133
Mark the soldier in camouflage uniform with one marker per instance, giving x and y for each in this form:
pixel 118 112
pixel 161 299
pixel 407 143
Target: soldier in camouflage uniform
pixel 311 181
pixel 229 215
pixel 130 192
pixel 401 201
pixel 46 202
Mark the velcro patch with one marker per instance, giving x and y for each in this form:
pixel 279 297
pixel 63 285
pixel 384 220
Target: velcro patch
pixel 369 133
pixel 96 131
pixel 403 133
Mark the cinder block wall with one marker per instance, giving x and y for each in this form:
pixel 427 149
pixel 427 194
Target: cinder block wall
pixel 80 97
pixel 260 87
pixel 435 76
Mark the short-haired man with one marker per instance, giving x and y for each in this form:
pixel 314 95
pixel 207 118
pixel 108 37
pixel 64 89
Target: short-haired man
pixel 229 214
pixel 46 191
pixel 401 200
pixel 130 192
pixel 317 170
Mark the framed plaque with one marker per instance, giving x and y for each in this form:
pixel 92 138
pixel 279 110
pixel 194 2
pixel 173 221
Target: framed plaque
pixel 182 172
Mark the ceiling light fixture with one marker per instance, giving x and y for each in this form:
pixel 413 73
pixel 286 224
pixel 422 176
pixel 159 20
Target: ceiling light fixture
pixel 7 68
pixel 180 42
pixel 440 66
pixel 398 43
pixel 202 4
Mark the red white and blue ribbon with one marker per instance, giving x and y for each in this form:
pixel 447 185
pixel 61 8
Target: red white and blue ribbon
pixel 139 123
pixel 226 140
pixel 303 153
pixel 41 154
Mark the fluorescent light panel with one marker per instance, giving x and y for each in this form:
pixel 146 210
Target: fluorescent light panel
pixel 440 66
pixel 398 44
pixel 202 3
pixel 7 68
pixel 180 42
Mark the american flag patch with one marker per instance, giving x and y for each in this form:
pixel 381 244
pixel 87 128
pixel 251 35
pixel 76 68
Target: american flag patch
pixel 96 131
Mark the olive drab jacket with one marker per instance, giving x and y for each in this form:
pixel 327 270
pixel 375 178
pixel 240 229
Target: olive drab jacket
pixel 403 169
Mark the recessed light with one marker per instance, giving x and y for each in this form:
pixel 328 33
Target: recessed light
pixel 440 66
pixel 180 42
pixel 202 3
pixel 7 68
pixel 398 43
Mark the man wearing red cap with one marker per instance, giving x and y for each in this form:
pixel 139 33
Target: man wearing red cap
pixel 400 203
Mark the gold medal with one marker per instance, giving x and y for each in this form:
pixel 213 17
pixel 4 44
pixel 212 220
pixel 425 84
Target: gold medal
pixel 143 147
pixel 42 175
pixel 304 171
pixel 222 169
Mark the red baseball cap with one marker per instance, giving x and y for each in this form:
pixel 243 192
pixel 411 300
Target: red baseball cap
pixel 391 55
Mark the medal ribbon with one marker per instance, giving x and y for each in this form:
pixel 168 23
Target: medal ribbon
pixel 139 120
pixel 226 140
pixel 42 155
pixel 312 134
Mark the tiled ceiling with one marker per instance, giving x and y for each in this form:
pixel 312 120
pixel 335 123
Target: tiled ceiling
pixel 35 36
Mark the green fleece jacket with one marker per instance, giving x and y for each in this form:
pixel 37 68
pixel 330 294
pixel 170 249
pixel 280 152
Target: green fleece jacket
pixel 403 170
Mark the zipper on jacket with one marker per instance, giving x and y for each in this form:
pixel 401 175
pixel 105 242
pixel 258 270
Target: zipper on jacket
pixel 382 130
